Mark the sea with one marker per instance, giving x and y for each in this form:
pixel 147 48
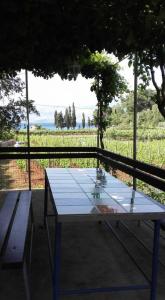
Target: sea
pixel 51 126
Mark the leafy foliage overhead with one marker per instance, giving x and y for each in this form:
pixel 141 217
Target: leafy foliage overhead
pixel 108 85
pixel 47 36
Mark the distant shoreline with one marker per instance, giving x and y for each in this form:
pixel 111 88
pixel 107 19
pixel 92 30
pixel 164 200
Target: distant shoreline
pixel 52 127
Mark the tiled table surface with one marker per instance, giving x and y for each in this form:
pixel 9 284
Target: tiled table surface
pixel 93 194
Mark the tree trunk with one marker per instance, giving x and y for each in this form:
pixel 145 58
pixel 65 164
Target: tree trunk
pixel 160 91
pixel 161 107
pixel 101 139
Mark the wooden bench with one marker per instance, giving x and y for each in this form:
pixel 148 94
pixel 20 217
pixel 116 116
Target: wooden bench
pixel 15 215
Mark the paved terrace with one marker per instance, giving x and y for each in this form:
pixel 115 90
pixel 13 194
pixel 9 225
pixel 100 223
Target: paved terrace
pixel 91 257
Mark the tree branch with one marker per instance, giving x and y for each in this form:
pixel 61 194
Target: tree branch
pixel 154 82
pixel 163 80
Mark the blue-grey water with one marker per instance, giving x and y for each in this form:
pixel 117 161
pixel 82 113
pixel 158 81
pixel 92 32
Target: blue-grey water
pixel 50 126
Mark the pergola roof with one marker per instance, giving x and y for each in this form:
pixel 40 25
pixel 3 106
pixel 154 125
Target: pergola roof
pixel 46 36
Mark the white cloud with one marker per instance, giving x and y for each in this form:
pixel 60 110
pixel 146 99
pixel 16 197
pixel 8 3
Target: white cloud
pixel 61 92
pixel 56 94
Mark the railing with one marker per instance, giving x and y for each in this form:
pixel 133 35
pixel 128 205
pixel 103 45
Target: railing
pixel 152 175
pixel 51 152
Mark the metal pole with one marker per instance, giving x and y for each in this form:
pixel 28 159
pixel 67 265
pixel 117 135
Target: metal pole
pixel 28 126
pixel 98 131
pixel 98 120
pixel 98 114
pixel 135 115
pixel 98 125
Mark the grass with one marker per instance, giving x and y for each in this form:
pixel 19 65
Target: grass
pixel 150 149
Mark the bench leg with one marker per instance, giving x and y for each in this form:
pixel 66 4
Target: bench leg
pixel 31 237
pixel 26 281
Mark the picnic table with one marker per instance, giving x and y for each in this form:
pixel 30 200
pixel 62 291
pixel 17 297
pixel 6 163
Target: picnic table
pixel 91 194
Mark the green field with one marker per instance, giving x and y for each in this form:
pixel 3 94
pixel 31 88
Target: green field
pixel 150 144
pixel 150 149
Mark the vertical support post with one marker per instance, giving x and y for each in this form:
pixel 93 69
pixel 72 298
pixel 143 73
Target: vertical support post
pixel 98 130
pixel 28 127
pixel 98 113
pixel 57 262
pixel 135 114
pixel 98 125
pixel 155 260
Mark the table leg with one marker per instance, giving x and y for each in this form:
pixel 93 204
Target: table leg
pixel 57 262
pixel 45 201
pixel 155 260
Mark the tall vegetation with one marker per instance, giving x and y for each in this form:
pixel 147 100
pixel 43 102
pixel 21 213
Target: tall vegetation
pixel 108 85
pixel 83 120
pixel 148 115
pixel 68 119
pixel 89 122
pixel 73 116
pixel 13 104
pixel 148 61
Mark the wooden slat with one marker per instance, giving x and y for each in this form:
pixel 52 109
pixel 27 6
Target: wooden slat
pixel 14 252
pixel 47 149
pixel 6 214
pixel 154 181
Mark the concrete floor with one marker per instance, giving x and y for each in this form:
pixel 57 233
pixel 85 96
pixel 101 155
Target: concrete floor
pixel 91 257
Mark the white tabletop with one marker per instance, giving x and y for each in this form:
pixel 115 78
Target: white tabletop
pixel 81 194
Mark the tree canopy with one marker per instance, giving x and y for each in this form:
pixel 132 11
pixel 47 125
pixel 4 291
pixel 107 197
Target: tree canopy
pixel 13 109
pixel 47 36
pixel 148 115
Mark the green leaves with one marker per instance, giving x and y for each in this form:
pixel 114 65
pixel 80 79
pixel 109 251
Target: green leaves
pixel 48 36
pixel 14 111
pixel 108 84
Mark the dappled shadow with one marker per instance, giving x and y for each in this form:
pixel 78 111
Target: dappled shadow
pixel 11 175
pixel 5 177
pixel 14 174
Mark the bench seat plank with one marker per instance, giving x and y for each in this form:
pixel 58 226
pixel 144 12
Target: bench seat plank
pixel 6 213
pixel 14 253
